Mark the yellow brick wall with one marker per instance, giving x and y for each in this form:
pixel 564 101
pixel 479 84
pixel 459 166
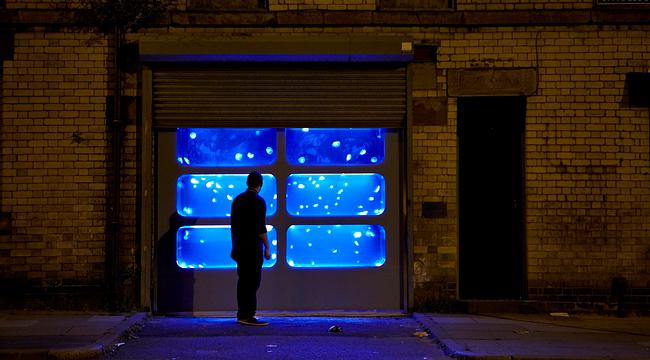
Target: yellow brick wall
pixel 477 5
pixel 587 171
pixel 283 5
pixel 54 153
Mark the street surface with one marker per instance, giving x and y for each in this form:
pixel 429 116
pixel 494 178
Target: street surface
pixel 285 338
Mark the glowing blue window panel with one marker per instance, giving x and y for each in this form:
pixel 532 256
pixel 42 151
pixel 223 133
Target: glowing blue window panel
pixel 310 146
pixel 225 147
pixel 336 246
pixel 336 194
pixel 208 247
pixel 211 195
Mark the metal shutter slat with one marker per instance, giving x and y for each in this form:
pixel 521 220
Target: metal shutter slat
pixel 279 98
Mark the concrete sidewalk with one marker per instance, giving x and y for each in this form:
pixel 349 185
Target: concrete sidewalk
pixel 62 335
pixel 520 336
pixel 58 335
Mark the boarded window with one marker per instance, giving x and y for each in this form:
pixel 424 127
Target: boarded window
pixel 416 4
pixel 225 4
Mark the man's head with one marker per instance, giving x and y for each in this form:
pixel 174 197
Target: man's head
pixel 254 180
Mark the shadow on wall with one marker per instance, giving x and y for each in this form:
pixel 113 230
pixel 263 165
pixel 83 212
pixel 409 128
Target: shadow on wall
pixel 175 290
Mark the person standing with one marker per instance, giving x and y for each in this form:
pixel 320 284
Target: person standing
pixel 249 245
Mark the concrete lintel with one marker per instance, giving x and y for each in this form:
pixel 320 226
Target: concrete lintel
pixel 492 82
pixel 274 48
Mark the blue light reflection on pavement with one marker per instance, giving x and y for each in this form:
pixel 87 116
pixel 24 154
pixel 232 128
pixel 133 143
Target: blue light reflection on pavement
pixel 311 146
pixel 208 247
pixel 211 195
pixel 326 195
pixel 336 246
pixel 225 147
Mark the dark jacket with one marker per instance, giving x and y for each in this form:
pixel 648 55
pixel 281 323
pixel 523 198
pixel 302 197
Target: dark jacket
pixel 247 223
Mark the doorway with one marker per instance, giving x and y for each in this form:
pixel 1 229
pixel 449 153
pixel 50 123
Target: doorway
pixel 491 241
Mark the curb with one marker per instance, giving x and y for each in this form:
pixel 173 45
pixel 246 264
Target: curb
pixel 91 351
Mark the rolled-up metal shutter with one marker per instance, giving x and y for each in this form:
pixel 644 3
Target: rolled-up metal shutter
pixel 280 97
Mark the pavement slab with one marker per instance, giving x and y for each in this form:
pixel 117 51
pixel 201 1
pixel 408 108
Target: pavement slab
pixel 521 337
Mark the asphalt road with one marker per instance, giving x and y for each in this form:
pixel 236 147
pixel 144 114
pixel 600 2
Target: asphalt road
pixel 286 338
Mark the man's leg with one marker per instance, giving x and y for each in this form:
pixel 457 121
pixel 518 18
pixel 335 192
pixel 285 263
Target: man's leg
pixel 250 276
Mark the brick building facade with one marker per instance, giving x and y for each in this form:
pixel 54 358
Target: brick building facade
pixel 586 146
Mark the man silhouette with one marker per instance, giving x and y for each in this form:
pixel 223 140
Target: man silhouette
pixel 249 242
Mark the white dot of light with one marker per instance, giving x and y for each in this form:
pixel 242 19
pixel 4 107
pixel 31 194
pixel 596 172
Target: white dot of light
pixel 257 132
pixel 274 256
pixel 209 184
pixel 335 251
pixel 231 186
pixel 238 156
pixel 192 135
pixel 371 198
pixel 340 192
pixel 326 206
pixel 357 234
pixel 180 160
pixel 274 243
pixel 320 198
pixel 308 230
pixel 250 155
pixel 377 188
pixel 331 186
pixel 217 185
pixel 202 241
pixel 187 235
pixel 275 196
pixel 301 186
pixel 229 197
pixel 370 233
pixel 315 205
pixel 187 210
pixel 269 150
pixel 356 243
pixel 362 152
pixel 317 185
pixel 363 212
pixel 356 252
pixel 313 182
pixel 309 244
pixel 373 159
pixel 187 161
pixel 336 144
pixel 305 129
pixel 321 178
pixel 291 263
pixel 348 157
pixel 301 160
pixel 214 200
pixel 301 207
pixel 329 232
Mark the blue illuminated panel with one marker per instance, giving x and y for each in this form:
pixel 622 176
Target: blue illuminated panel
pixel 336 246
pixel 208 247
pixel 336 194
pixel 225 147
pixel 308 146
pixel 211 196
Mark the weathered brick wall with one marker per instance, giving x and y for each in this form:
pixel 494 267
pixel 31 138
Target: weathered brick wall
pixel 281 5
pixel 54 153
pixel 587 151
pixel 477 5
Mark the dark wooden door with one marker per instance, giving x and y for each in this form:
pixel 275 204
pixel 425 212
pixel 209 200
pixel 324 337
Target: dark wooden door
pixel 491 249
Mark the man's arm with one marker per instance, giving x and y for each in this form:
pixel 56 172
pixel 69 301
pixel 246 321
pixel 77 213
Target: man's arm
pixel 267 251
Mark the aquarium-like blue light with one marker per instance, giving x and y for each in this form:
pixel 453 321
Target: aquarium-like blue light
pixel 336 246
pixel 336 194
pixel 308 146
pixel 211 196
pixel 208 247
pixel 225 147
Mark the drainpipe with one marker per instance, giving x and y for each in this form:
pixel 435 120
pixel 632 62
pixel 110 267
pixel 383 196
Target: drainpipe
pixel 112 260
